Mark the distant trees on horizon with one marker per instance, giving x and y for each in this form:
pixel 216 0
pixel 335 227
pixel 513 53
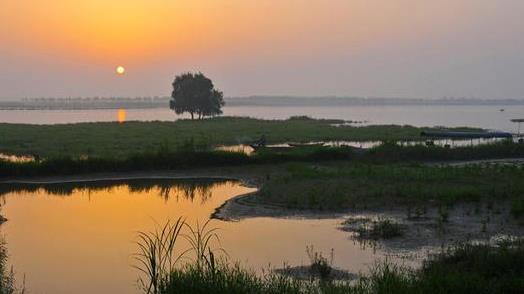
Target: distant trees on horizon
pixel 195 93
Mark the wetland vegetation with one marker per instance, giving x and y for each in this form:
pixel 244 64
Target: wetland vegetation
pixel 340 186
pixel 463 268
pixel 115 140
pixel 413 178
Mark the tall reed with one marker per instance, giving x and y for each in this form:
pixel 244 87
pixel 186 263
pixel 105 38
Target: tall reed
pixel 156 257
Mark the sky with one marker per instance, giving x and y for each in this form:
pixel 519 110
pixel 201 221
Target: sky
pixel 367 48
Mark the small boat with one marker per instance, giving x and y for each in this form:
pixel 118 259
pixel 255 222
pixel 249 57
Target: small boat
pixel 306 144
pixel 465 135
pixel 270 148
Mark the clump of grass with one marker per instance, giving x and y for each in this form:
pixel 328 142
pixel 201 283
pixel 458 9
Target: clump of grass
pixel 7 277
pixel 225 278
pixel 156 258
pixel 320 266
pixel 201 238
pixel 465 268
pixel 469 268
pixel 380 229
pixel 159 255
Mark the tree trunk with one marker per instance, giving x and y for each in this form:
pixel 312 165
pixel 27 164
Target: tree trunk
pixel 192 116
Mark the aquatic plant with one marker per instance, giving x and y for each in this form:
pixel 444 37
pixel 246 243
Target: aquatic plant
pixel 320 265
pixel 464 268
pixel 380 229
pixel 7 276
pixel 340 186
pixel 201 239
pixel 156 257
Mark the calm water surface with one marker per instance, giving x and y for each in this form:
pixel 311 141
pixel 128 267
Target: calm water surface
pixel 80 238
pixel 489 117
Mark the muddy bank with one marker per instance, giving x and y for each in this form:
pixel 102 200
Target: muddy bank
pixel 422 232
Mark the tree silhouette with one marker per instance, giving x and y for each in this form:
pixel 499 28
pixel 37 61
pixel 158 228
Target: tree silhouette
pixel 196 94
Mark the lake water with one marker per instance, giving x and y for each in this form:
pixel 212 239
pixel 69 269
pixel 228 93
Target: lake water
pixel 488 117
pixel 79 238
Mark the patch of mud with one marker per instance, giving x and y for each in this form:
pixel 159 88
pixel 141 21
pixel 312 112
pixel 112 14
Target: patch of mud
pixel 424 231
pixel 433 230
pixel 247 206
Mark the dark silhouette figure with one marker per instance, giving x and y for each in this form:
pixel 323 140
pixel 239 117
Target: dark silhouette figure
pixel 196 94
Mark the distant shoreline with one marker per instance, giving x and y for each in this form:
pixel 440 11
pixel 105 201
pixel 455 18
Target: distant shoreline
pixel 98 103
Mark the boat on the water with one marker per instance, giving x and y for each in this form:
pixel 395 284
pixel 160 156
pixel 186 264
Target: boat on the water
pixel 465 135
pixel 270 148
pixel 306 144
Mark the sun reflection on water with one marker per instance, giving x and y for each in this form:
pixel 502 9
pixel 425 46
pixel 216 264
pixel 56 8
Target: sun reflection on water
pixel 121 115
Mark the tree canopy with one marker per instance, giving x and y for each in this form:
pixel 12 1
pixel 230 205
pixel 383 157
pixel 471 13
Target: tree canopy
pixel 195 93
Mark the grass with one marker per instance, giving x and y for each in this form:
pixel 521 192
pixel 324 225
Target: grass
pixel 7 278
pixel 380 229
pixel 466 268
pixel 390 152
pixel 156 256
pixel 475 269
pixel 167 160
pixel 192 155
pixel 320 266
pixel 114 140
pixel 342 186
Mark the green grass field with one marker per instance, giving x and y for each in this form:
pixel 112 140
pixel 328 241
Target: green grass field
pixel 110 140
pixel 341 186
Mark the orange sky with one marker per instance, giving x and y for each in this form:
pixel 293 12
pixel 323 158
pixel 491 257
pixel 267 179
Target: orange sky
pixel 281 45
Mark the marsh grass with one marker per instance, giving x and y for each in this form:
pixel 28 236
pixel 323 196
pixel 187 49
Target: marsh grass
pixel 197 155
pixel 160 253
pixel 381 229
pixel 8 284
pixel 169 160
pixel 358 186
pixel 114 140
pixel 463 268
pixel 201 239
pixel 156 257
pixel 320 266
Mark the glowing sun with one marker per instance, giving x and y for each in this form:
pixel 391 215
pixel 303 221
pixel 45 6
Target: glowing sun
pixel 120 70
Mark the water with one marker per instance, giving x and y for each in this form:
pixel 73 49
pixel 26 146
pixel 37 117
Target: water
pixel 79 238
pixel 246 149
pixel 486 116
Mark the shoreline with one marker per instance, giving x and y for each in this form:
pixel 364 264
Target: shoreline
pixel 427 233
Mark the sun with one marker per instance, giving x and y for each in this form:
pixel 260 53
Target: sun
pixel 120 70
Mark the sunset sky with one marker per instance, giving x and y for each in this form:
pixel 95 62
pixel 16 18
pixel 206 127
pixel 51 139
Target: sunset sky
pixel 388 48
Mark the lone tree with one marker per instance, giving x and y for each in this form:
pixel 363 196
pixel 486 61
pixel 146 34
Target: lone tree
pixel 195 93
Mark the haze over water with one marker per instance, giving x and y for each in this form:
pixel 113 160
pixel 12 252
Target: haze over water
pixel 486 116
